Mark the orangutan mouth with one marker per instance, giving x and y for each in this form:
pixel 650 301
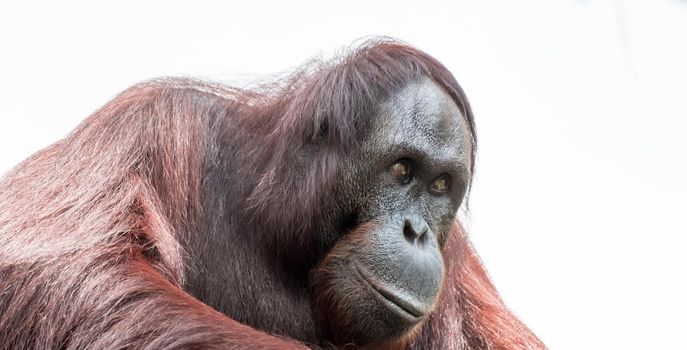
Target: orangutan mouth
pixel 391 300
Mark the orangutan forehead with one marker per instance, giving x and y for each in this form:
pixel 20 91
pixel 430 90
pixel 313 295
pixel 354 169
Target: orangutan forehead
pixel 427 105
pixel 422 113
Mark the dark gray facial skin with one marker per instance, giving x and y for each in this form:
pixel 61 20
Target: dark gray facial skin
pixel 423 124
pixel 394 266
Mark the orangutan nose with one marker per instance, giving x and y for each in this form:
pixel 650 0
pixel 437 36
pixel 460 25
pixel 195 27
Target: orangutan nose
pixel 415 230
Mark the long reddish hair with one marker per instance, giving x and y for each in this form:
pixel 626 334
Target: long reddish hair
pixel 93 228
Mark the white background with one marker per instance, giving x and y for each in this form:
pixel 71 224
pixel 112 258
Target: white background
pixel 578 208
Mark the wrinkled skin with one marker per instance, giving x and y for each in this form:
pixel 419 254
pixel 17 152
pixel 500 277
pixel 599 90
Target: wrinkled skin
pixel 385 271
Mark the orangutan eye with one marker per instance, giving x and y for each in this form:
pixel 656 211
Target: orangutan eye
pixel 402 171
pixel 441 184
